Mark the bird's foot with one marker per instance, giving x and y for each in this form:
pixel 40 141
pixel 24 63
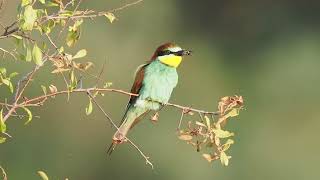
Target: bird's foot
pixel 119 139
pixel 187 110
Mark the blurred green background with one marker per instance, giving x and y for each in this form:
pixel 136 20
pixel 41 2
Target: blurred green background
pixel 266 51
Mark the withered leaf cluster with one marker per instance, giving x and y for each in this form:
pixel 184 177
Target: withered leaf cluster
pixel 207 134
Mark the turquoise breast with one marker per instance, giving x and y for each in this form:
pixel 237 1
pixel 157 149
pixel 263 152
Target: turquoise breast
pixel 158 83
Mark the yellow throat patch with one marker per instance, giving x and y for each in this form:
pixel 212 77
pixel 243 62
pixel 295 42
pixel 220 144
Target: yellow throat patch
pixel 171 60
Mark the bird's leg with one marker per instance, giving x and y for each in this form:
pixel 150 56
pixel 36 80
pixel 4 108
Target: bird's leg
pixel 186 110
pixel 155 116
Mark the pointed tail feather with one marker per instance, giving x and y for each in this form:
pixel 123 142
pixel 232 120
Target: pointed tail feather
pixel 111 148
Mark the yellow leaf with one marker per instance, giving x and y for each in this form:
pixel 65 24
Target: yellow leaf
pixel 3 126
pixel 224 159
pixel 37 55
pixel 89 108
pixel 29 115
pixel 207 121
pixel 29 17
pixel 58 70
pixel 110 16
pixel 221 133
pixel 227 145
pixel 2 139
pixel 43 175
pixel 232 113
pixel 185 137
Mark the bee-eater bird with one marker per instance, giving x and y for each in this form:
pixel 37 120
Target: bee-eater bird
pixel 154 83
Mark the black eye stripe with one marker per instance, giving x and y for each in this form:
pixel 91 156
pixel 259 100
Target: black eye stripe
pixel 168 52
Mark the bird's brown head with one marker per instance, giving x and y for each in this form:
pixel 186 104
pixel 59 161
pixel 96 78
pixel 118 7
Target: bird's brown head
pixel 170 54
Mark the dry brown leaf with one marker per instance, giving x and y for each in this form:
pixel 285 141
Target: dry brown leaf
pixel 185 137
pixel 200 124
pixel 58 70
pixel 53 89
pixel 207 157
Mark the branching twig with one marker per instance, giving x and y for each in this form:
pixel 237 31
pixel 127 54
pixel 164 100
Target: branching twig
pixel 8 52
pixel 91 14
pixel 112 122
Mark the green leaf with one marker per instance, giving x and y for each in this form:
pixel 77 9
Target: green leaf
pixel 111 17
pixel 89 108
pixel 74 33
pixel 37 55
pixel 44 89
pixel 61 49
pixel 72 37
pixel 29 18
pixel 73 81
pixel 10 86
pixel 6 82
pixel 14 74
pixel 2 139
pixel 77 24
pixel 3 127
pixel 43 175
pixel 42 1
pixel 234 112
pixel 25 2
pixel 29 115
pixel 221 133
pixel 48 27
pixel 28 55
pixel 3 71
pixel 80 54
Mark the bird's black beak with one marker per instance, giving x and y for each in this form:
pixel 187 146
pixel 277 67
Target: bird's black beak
pixel 186 52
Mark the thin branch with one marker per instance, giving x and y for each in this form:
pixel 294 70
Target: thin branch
pixel 64 27
pixel 8 52
pixel 112 122
pixel 90 14
pixel 180 121
pixel 8 31
pixel 125 6
pixel 40 98
pixel 52 43
pixel 35 101
pixel 193 109
pixel 19 91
